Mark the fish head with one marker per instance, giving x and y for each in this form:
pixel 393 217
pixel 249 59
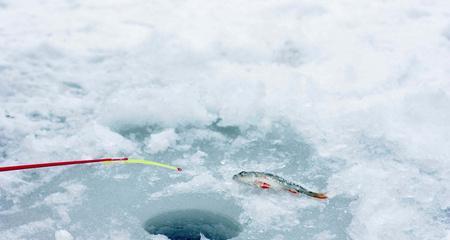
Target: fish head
pixel 244 177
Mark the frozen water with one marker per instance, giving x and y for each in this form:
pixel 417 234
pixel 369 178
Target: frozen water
pixel 63 235
pixel 161 141
pixel 347 97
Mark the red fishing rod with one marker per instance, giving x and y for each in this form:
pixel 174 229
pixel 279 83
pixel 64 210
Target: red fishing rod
pixel 53 164
pixel 76 162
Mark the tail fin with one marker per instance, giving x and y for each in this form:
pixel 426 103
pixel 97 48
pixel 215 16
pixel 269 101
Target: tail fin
pixel 318 195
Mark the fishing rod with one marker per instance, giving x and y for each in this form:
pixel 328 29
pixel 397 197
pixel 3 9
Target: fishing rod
pixel 76 162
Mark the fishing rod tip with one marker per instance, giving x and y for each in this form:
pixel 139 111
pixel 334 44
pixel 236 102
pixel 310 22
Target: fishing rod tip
pixel 179 169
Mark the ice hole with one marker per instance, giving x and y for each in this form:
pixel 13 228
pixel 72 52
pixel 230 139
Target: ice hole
pixel 188 224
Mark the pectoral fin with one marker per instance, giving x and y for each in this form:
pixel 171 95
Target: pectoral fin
pixel 263 185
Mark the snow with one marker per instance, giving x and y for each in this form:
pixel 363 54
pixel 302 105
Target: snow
pixel 159 237
pixel 347 97
pixel 161 141
pixel 63 235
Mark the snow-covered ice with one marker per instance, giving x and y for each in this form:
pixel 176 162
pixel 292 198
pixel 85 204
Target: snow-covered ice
pixel 347 97
pixel 161 141
pixel 63 235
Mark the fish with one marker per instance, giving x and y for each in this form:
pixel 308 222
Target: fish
pixel 271 181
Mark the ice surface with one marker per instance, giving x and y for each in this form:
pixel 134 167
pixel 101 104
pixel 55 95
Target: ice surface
pixel 347 97
pixel 161 141
pixel 63 235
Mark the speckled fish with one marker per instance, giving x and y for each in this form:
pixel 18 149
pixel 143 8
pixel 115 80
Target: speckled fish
pixel 270 181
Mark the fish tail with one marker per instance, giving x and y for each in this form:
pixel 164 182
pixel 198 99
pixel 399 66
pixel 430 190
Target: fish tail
pixel 317 195
pixel 311 194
